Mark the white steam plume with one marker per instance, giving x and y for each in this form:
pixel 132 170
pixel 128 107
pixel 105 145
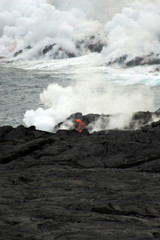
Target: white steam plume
pixel 60 102
pixel 31 25
pixel 135 32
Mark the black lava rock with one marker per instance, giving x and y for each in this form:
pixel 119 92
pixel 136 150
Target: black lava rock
pixel 71 185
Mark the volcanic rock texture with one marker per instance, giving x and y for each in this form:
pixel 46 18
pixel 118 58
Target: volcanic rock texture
pixel 80 186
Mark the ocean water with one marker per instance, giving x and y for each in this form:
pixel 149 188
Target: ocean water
pixel 48 73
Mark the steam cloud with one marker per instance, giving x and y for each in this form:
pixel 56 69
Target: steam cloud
pixel 134 32
pixel 130 28
pixel 32 25
pixel 60 102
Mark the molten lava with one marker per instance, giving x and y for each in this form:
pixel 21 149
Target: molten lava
pixel 81 125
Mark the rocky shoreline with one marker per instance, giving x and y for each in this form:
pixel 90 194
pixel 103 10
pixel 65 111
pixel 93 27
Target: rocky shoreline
pixel 71 185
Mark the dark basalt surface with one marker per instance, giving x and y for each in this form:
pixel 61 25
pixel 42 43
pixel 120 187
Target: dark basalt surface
pixel 138 119
pixel 80 186
pixel 151 59
pixel 90 43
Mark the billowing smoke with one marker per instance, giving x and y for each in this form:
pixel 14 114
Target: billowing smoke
pixel 88 97
pixel 66 28
pixel 36 28
pixel 135 32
